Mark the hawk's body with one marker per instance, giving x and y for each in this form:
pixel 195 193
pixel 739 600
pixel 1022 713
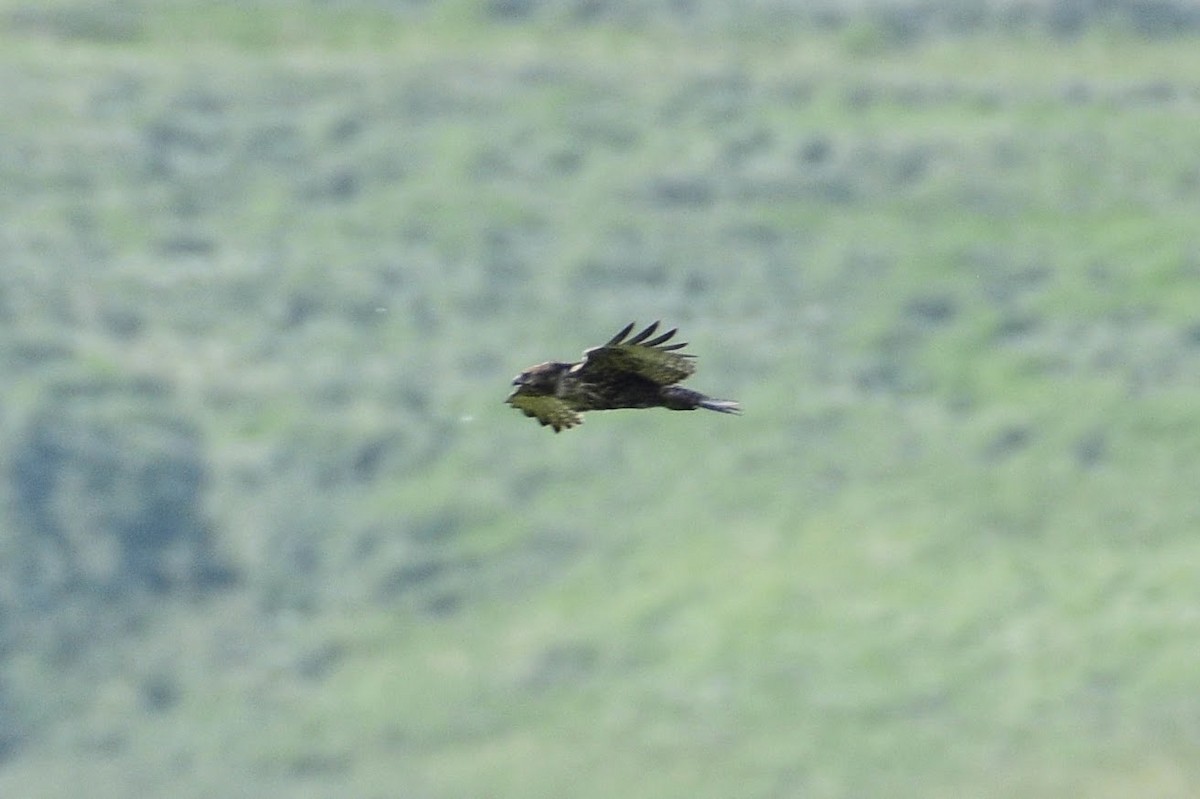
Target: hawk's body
pixel 638 373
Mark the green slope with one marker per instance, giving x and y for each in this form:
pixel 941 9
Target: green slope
pixel 289 256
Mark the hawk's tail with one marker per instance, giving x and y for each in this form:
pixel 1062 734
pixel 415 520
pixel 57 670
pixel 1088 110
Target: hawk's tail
pixel 722 406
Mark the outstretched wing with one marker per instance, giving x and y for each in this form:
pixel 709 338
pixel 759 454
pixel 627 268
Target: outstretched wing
pixel 549 410
pixel 650 358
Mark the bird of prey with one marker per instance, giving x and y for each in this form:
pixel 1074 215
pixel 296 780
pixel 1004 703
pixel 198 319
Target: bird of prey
pixel 640 372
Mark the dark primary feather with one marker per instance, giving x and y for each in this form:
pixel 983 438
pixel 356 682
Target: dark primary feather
pixel 624 332
pixel 640 338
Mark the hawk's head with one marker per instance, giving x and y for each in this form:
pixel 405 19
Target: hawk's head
pixel 541 379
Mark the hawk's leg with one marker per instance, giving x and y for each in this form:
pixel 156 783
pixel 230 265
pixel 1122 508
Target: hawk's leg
pixel 678 398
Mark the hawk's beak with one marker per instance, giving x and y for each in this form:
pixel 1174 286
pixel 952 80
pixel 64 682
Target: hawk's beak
pixel 519 380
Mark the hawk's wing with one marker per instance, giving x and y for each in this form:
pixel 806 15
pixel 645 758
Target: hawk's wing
pixel 548 410
pixel 650 358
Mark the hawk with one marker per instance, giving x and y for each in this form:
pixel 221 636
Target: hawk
pixel 640 372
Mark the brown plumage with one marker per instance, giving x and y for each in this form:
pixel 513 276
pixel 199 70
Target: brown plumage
pixel 637 373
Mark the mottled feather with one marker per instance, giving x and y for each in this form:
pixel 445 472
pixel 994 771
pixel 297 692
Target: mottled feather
pixel 653 359
pixel 550 411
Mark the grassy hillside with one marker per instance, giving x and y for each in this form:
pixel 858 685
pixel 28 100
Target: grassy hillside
pixel 266 271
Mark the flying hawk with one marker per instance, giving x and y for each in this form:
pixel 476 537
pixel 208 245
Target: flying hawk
pixel 638 373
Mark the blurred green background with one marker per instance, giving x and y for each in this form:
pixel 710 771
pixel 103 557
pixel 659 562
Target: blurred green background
pixel 266 270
